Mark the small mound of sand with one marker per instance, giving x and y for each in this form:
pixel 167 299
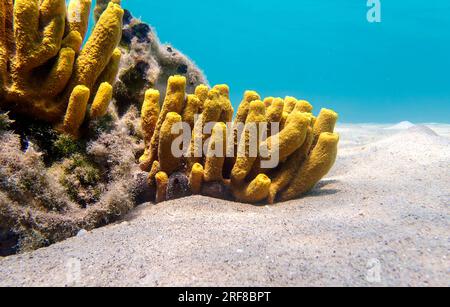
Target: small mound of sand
pixel 422 129
pixel 401 126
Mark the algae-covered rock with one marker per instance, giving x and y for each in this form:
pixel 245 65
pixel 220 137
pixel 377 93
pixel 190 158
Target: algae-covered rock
pixel 146 63
pixel 48 194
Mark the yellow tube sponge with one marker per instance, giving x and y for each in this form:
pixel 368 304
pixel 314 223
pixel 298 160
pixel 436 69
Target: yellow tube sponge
pixel 215 157
pixel 99 48
pixel 225 103
pixel 173 102
pixel 109 74
pixel 100 6
pixel 212 111
pixel 57 79
pixel 73 40
pixel 195 151
pixel 240 119
pixel 36 45
pixel 162 180
pixel 249 142
pixel 289 104
pixel 156 168
pixel 318 164
pixel 296 164
pixel 101 101
pixel 76 110
pixel 303 106
pixel 274 112
pixel 288 140
pixel 201 91
pixel 149 118
pixel 192 109
pixel 244 107
pixel 255 192
pixel 169 163
pixel 326 122
pixel 287 171
pixel 196 178
pixel 41 63
pixel 268 101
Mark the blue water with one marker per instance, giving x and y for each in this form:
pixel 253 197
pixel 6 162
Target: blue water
pixel 324 51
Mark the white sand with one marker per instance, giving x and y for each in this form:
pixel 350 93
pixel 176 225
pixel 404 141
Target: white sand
pixel 386 202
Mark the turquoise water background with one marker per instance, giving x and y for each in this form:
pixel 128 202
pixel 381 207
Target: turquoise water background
pixel 324 51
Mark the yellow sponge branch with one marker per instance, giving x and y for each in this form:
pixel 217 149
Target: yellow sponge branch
pixel 196 178
pixel 289 139
pixel 289 104
pixel 101 101
pixel 149 119
pixel 76 110
pixel 215 157
pixel 303 106
pixel 60 74
pixel 287 171
pixel 244 107
pixel 317 165
pixel 109 74
pixel 326 122
pixel 255 192
pixel 99 48
pixel 173 102
pixel 169 163
pixel 29 16
pixel 201 92
pixel 249 143
pixel 192 109
pixel 72 40
pixel 162 180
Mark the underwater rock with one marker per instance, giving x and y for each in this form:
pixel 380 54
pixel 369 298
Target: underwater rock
pixel 50 194
pixel 178 186
pixel 146 63
pixel 142 192
pixel 215 189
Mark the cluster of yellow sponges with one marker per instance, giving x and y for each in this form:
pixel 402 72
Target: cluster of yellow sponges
pixel 44 71
pixel 306 146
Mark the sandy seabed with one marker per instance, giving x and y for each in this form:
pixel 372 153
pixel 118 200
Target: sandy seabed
pixel 380 218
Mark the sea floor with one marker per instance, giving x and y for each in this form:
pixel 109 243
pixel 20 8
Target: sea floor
pixel 381 218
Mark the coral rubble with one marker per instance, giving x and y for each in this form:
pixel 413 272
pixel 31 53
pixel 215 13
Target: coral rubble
pixel 235 160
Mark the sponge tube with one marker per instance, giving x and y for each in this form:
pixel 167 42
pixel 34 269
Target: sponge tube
pixel 318 164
